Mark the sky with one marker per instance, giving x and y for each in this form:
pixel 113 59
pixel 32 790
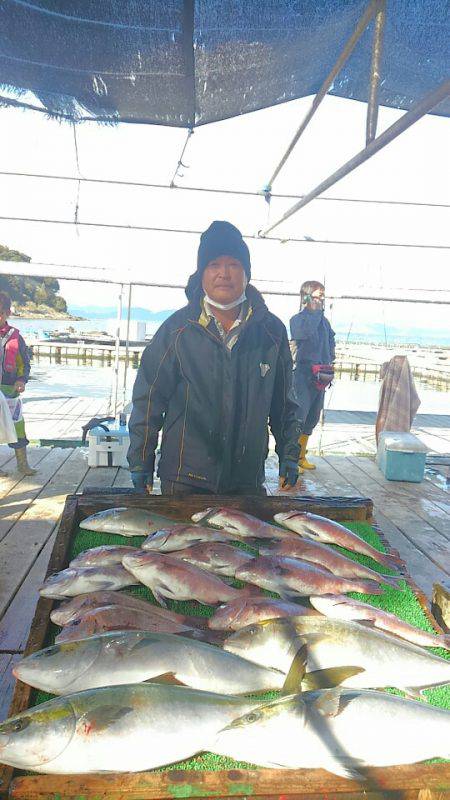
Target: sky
pixel 237 154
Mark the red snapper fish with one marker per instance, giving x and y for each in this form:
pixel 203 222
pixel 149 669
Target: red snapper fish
pixel 321 529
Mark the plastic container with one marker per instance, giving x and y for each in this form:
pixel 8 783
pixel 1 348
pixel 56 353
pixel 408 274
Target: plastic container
pixel 108 448
pixel 401 456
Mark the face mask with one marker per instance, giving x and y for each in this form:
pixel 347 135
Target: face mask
pixel 228 306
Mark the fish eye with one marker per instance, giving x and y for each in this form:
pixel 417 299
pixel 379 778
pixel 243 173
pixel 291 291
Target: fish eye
pixel 252 717
pixel 16 725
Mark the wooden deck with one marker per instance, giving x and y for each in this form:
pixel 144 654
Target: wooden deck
pixel 415 519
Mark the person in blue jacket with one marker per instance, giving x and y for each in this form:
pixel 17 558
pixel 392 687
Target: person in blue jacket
pixel 313 371
pixel 216 376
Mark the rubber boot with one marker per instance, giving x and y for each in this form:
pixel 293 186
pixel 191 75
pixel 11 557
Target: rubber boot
pixel 303 463
pixel 23 466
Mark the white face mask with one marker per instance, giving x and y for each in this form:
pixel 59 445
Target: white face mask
pixel 226 306
pixel 233 304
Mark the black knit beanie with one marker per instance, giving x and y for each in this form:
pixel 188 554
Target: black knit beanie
pixel 220 239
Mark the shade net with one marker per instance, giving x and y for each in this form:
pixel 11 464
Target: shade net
pixel 189 63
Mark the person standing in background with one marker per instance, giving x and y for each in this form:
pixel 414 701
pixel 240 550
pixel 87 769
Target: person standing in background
pixel 313 370
pixel 14 374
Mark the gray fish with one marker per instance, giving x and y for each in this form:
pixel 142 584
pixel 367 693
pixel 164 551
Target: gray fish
pixel 289 577
pixel 136 656
pixel 238 523
pixel 71 582
pixel 340 730
pixel 321 529
pixel 180 536
pixel 101 556
pixel 386 660
pixel 170 577
pixel 126 728
pixel 248 610
pixel 345 608
pixel 327 558
pixel 78 606
pixel 126 522
pixel 222 559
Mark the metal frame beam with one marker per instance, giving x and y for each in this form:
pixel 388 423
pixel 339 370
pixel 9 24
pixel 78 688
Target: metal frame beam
pixel 418 111
pixel 372 107
pixel 370 11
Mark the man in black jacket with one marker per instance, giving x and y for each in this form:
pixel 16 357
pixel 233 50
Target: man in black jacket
pixel 215 374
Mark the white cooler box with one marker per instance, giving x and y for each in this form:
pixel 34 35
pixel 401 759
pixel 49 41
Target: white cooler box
pixel 108 448
pixel 401 456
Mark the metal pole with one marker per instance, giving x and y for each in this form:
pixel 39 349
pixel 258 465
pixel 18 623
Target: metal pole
pixel 421 108
pixel 115 385
pixel 127 346
pixel 372 107
pixel 347 51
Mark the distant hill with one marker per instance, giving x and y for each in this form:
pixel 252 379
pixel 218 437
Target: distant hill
pixel 31 296
pixel 100 312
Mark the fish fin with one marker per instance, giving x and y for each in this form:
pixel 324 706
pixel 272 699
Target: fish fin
pixel 102 717
pixel 329 703
pixel 159 597
pixel 166 677
pixel 415 694
pixel 327 678
pixel 297 671
pixel 346 768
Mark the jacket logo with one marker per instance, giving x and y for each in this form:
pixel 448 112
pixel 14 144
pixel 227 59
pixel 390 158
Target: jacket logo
pixel 264 369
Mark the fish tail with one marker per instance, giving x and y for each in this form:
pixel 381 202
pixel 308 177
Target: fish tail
pixel 205 635
pixel 392 581
pixel 390 560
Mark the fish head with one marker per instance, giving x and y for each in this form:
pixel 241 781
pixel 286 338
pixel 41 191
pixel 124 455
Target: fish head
pixel 57 584
pixel 142 559
pixel 104 521
pixel 335 605
pixel 36 737
pixel 284 516
pixel 202 516
pixel 227 614
pixel 264 730
pixel 56 668
pixel 156 541
pixel 271 643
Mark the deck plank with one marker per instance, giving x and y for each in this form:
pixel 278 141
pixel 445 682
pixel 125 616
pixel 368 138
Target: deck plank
pixel 16 622
pixel 417 496
pixel 7 682
pixel 26 539
pixel 10 480
pixel 18 498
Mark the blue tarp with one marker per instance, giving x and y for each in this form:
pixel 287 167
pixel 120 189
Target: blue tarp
pixel 189 63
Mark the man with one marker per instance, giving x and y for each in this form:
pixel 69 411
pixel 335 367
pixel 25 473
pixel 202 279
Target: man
pixel 314 339
pixel 14 374
pixel 215 374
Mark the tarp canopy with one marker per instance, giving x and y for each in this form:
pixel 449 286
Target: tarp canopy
pixel 193 62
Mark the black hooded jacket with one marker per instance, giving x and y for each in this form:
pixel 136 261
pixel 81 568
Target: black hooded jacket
pixel 214 404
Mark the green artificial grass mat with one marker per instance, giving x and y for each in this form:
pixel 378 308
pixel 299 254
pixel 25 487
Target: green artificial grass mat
pixel 403 603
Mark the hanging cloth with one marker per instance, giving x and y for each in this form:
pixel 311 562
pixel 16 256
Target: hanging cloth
pixel 399 400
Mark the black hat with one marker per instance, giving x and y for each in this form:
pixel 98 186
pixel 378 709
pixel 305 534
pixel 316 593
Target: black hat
pixel 220 239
